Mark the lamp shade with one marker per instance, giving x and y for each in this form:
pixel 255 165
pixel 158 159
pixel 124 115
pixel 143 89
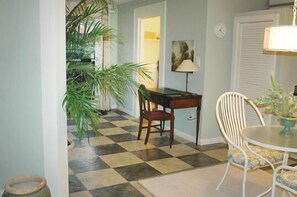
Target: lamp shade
pixel 280 38
pixel 187 66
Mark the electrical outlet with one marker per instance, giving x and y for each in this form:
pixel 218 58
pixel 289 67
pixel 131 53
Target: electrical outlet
pixel 192 116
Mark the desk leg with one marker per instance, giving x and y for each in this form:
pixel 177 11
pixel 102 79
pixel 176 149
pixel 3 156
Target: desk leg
pixel 172 126
pixel 197 123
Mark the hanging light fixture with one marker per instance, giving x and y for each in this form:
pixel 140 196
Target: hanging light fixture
pixel 283 37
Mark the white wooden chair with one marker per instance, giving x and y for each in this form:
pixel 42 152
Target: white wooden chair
pixel 286 178
pixel 231 117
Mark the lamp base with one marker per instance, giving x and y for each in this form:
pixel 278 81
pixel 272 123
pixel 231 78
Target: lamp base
pixel 186 93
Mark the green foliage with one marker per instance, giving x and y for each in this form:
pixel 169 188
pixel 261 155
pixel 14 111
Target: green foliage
pixel 277 102
pixel 83 78
pixel 83 28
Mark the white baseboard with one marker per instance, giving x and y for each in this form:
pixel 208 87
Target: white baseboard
pixel 200 141
pixel 125 110
pixel 185 135
pixel 211 141
pixel 113 107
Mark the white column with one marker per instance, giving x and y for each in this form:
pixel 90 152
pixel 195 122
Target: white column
pixel 53 76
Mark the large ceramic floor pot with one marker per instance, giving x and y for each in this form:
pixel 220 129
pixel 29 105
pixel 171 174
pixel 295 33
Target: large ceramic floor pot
pixel 27 186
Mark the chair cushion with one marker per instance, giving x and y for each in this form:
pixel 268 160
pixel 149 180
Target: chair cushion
pixel 158 115
pixel 288 178
pixel 235 156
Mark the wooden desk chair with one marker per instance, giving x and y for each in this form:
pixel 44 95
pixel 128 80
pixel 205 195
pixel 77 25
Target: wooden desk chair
pixel 231 116
pixel 152 115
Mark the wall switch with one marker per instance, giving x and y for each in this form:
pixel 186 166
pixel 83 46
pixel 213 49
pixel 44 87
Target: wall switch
pixel 198 61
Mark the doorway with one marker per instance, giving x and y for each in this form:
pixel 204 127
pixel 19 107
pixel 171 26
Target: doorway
pixel 149 44
pixel 151 49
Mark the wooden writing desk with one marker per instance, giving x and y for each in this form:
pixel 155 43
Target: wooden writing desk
pixel 175 99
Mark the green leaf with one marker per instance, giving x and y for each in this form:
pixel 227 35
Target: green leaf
pixel 277 102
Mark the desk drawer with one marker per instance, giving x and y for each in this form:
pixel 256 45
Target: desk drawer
pixel 185 102
pixel 160 100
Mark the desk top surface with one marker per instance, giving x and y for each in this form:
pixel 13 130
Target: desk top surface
pixel 270 137
pixel 170 92
pixel 167 91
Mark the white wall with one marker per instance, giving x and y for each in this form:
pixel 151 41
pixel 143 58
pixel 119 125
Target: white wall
pixel 32 85
pixel 53 87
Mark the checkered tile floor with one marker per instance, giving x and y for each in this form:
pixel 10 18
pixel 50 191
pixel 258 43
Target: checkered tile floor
pixel 113 160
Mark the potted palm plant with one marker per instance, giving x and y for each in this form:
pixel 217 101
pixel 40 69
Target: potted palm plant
pixel 84 79
pixel 279 103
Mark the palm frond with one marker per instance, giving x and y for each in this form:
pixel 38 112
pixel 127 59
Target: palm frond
pixel 84 80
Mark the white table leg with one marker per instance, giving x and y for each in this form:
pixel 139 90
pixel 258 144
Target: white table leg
pixel 285 163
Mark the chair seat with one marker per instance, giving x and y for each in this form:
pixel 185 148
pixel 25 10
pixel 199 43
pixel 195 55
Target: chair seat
pixel 158 115
pixel 254 162
pixel 288 178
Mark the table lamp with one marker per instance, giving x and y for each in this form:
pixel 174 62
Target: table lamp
pixel 187 66
pixel 282 37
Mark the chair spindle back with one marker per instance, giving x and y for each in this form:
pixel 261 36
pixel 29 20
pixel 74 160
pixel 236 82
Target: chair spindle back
pixel 143 97
pixel 231 116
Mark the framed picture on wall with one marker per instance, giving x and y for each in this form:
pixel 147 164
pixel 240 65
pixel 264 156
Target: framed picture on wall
pixel 181 50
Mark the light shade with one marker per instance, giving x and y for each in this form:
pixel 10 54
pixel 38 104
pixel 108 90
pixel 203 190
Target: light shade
pixel 187 66
pixel 280 38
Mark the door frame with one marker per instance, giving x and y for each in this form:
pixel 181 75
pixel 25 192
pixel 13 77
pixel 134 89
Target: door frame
pixel 153 10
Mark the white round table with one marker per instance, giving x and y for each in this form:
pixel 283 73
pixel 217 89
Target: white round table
pixel 269 137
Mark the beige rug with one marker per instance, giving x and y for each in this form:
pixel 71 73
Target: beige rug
pixel 203 181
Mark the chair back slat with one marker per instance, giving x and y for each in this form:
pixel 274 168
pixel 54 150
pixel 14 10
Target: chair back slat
pixel 143 97
pixel 231 116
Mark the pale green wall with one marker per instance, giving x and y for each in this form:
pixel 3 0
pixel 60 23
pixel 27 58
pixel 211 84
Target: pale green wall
pixel 186 21
pixel 21 147
pixel 193 20
pixel 126 32
pixel 179 17
pixel 33 130
pixel 218 59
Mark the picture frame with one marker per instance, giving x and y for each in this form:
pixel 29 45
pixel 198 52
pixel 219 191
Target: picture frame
pixel 181 50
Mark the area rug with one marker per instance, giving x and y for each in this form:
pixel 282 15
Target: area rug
pixel 203 181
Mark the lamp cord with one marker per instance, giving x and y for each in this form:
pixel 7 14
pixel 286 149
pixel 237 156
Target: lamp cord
pixel 294 12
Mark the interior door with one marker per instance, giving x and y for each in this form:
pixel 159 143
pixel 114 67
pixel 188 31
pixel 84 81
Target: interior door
pixel 251 67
